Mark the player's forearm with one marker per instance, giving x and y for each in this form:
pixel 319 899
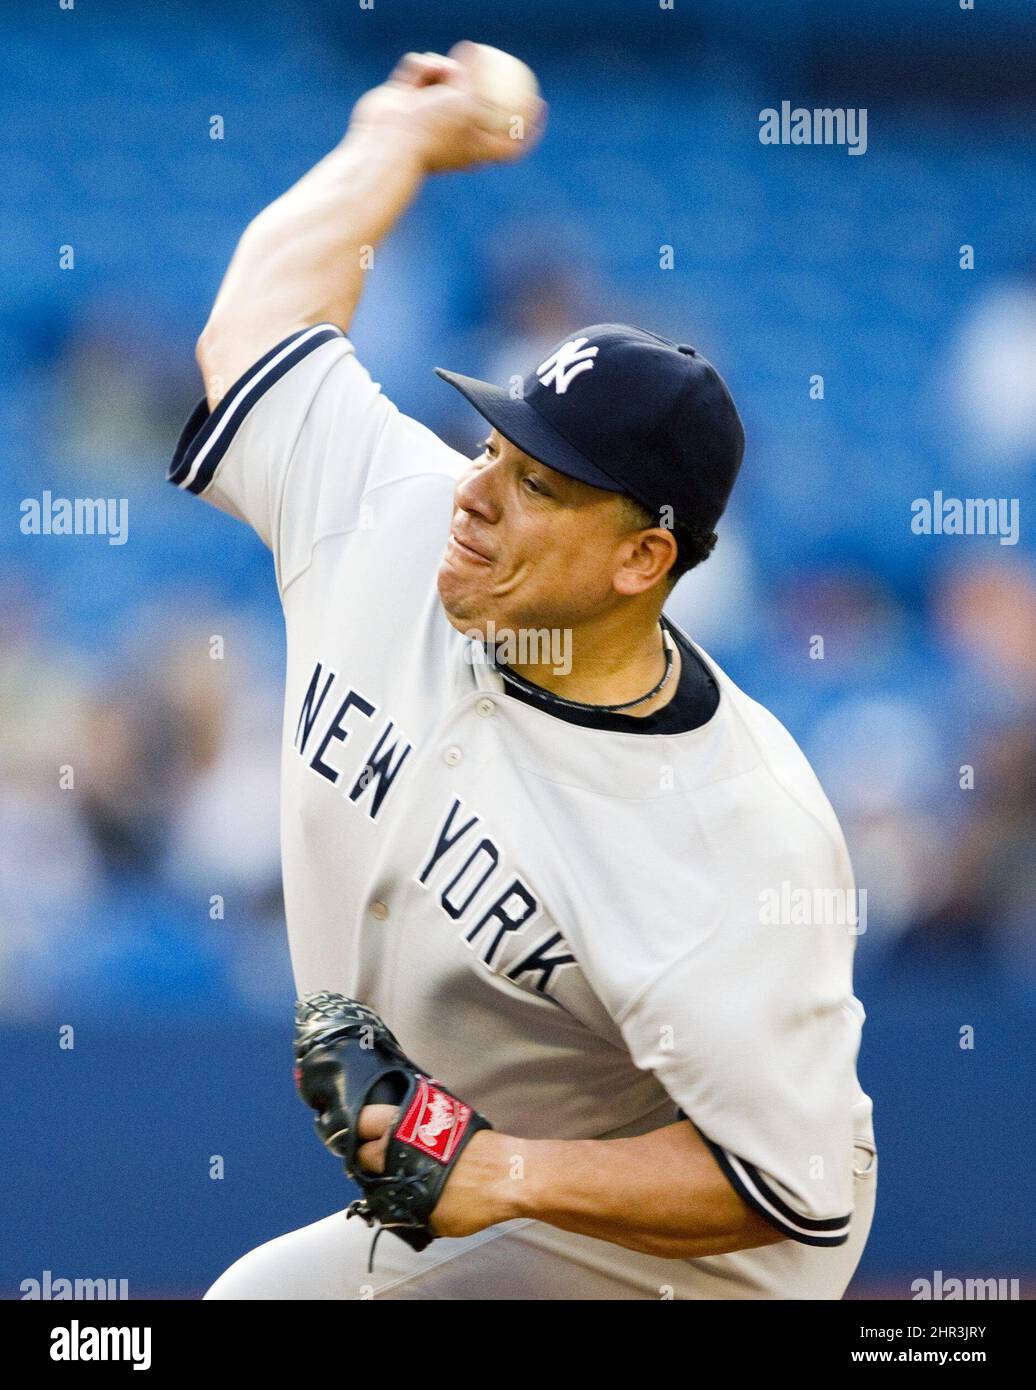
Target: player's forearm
pixel 302 260
pixel 660 1193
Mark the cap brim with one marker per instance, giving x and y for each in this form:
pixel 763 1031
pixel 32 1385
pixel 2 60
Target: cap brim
pixel 527 430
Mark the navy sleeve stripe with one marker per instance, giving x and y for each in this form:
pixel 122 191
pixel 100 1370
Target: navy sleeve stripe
pixel 206 437
pixel 749 1184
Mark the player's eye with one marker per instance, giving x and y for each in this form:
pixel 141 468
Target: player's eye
pixel 532 484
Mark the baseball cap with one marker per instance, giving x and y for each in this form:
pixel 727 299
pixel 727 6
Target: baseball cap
pixel 625 410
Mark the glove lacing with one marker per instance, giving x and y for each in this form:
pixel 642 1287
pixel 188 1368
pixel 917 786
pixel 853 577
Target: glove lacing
pixel 358 1207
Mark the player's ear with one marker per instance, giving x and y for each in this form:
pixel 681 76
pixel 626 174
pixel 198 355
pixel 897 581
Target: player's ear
pixel 644 558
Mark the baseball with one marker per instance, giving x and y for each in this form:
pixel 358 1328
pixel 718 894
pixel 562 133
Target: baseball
pixel 506 86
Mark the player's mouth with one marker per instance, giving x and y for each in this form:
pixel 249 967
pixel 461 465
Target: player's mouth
pixel 465 548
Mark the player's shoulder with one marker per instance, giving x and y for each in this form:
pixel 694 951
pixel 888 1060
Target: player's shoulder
pixel 761 748
pixel 757 724
pixel 407 447
pixel 308 397
pixel 322 368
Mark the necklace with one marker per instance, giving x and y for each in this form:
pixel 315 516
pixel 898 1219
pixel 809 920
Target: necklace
pixel 508 675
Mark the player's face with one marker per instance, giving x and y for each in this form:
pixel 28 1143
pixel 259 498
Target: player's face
pixel 529 547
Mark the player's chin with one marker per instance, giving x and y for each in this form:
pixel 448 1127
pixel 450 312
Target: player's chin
pixel 459 595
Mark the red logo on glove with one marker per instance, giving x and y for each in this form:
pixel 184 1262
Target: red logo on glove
pixel 435 1122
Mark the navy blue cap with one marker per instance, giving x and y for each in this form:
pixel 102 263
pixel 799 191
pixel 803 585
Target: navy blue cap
pixel 627 411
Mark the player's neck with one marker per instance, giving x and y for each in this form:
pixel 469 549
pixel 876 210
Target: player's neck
pixel 611 662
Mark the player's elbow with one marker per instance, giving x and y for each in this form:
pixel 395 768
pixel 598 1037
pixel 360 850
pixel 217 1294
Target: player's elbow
pixel 736 1226
pixel 203 348
pixel 752 1230
pixel 728 1224
pixel 208 354
pixel 704 1239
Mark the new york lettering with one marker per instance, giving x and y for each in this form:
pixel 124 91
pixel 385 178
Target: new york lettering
pixel 383 762
pixel 470 862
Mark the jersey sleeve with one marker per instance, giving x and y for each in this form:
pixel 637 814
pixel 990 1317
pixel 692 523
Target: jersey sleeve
pixel 751 1036
pixel 297 441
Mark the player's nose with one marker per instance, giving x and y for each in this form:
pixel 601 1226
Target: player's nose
pixel 478 489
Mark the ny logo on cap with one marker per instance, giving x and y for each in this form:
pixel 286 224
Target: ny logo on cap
pixel 562 366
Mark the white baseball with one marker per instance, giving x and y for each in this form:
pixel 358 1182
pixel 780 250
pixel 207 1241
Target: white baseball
pixel 506 86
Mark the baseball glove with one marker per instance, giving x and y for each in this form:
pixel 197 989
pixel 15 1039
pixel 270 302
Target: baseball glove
pixel 346 1058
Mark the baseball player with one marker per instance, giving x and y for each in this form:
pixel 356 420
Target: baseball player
pixel 526 821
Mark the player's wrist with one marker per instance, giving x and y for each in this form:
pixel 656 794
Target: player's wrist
pixel 527 1162
pixel 509 1185
pixel 400 140
pixel 501 1165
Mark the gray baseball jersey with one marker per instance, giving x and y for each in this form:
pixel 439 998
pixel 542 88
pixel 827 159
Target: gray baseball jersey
pixel 585 933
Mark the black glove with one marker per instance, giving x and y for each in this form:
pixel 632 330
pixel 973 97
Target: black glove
pixel 346 1058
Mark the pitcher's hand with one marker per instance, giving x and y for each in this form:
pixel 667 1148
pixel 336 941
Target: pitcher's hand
pixel 429 99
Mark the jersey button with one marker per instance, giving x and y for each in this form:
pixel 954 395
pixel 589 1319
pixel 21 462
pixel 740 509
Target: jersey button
pixel 380 911
pixel 485 707
pixel 452 756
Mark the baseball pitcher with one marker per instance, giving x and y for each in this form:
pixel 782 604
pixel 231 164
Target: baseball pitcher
pixel 553 1017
